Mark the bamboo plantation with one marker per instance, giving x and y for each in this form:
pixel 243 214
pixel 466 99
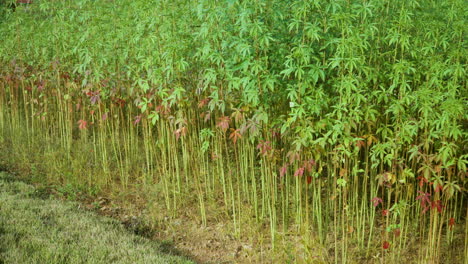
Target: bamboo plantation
pixel 336 129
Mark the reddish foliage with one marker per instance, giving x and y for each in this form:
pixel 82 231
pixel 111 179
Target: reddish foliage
pixel 119 102
pixel 40 85
pixel 386 245
pixel 180 132
pixel 65 76
pixel 94 97
pixel 163 110
pixel 437 204
pixel 387 176
pixel 422 181
pixel 137 119
pixel 9 78
pixel 299 172
pixel 385 212
pixel 308 164
pixel 264 147
pixel 309 179
pixel 376 201
pixel 451 222
pixel 397 232
pixel 283 170
pixel 292 156
pixel 223 123
pixel 424 199
pixel 82 124
pixel 203 102
pixel 438 187
pixel 206 116
pixel 235 135
pixel 360 144
pixel 275 133
pixel 105 82
pixel 251 125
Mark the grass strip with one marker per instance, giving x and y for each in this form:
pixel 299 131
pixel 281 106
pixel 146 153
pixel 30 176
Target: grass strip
pixel 37 230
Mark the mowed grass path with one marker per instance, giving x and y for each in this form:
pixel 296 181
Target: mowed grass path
pixel 36 230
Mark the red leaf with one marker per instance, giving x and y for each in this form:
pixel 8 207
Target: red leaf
pixel 385 212
pixel 137 119
pixel 376 201
pixel 244 127
pixel 386 245
pixel 424 199
pixel 299 172
pixel 223 123
pixel 397 232
pixel 119 102
pixel 95 99
pixel 283 170
pixel 422 180
pixel 82 124
pixel 360 144
pixel 235 135
pixel 292 156
pixel 264 147
pixel 203 102
pixel 275 133
pixel 104 117
pixel 437 204
pixel 451 222
pixel 309 179
pixel 180 132
pixel 308 164
pixel 40 85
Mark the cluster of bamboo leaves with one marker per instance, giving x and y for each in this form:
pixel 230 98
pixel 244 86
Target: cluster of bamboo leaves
pixel 309 117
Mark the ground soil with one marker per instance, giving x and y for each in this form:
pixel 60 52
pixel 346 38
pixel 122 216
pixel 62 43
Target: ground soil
pixel 181 235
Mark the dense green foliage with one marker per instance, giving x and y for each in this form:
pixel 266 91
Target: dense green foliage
pixel 311 117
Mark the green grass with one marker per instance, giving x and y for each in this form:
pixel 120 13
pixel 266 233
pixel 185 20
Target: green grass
pixel 36 230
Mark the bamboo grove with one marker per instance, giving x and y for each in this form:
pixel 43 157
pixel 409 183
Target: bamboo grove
pixel 339 128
